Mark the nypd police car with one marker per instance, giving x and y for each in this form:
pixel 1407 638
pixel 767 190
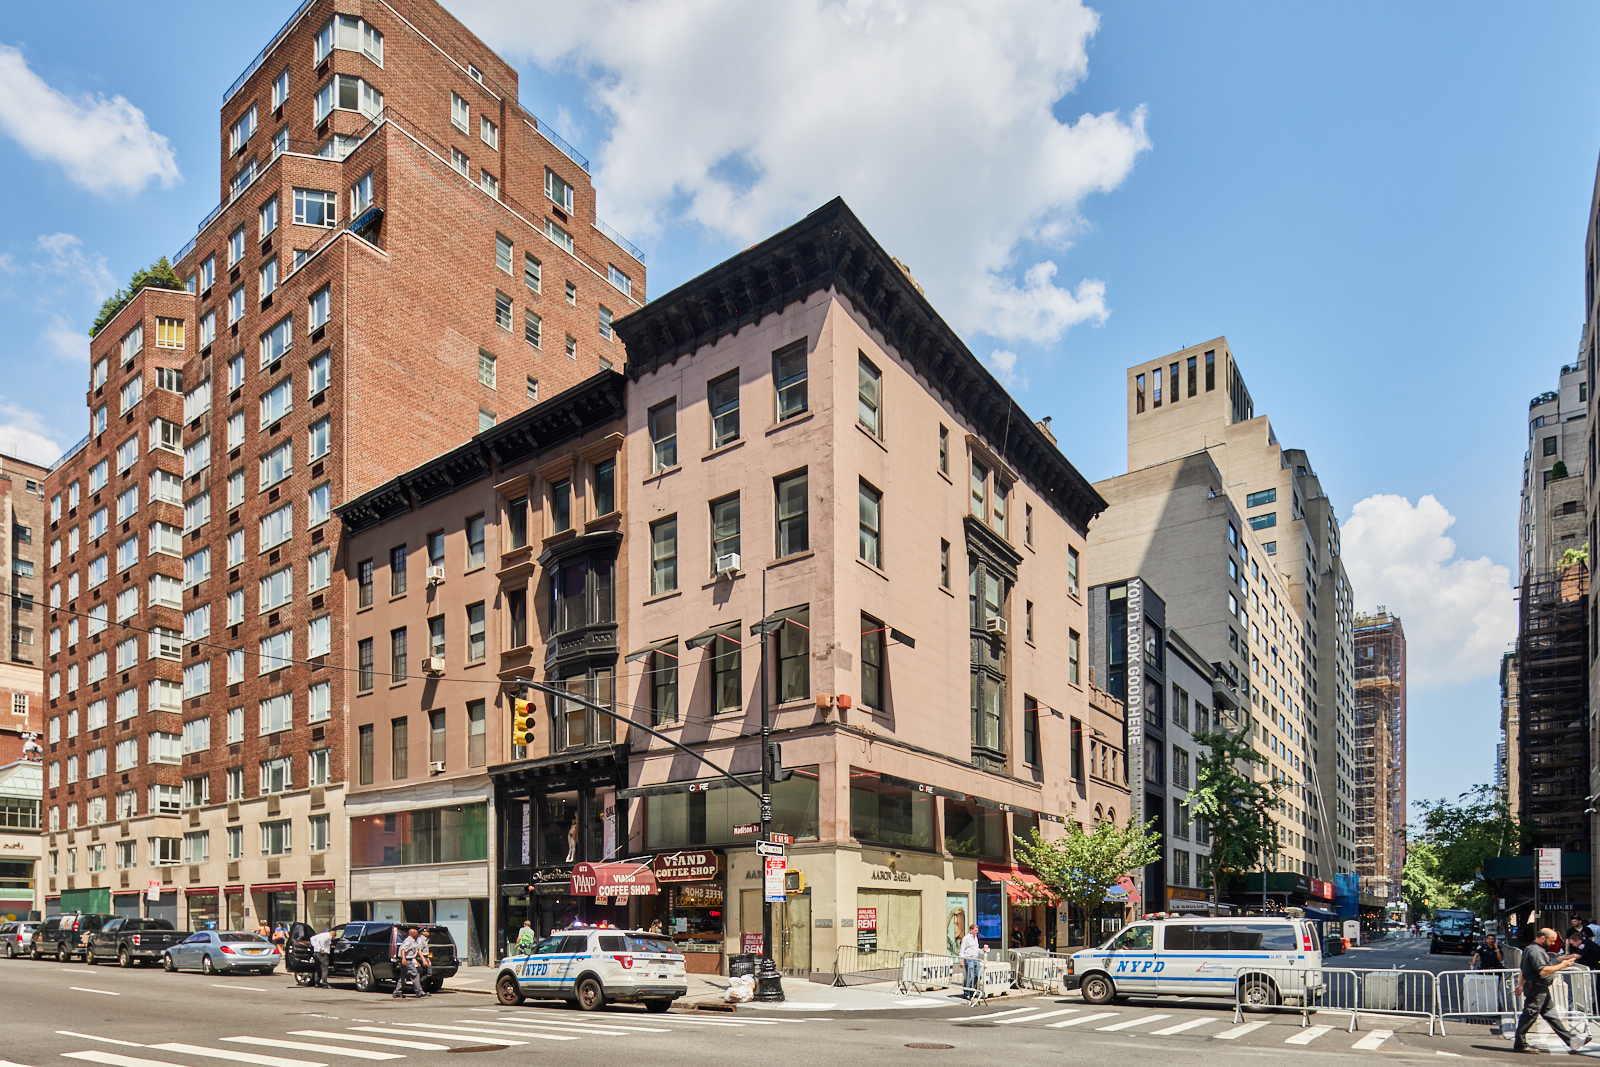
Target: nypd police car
pixel 593 965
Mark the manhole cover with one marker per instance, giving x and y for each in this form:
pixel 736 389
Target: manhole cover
pixel 479 1048
pixel 928 1044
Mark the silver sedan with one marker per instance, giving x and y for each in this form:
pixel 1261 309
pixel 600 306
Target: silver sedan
pixel 216 951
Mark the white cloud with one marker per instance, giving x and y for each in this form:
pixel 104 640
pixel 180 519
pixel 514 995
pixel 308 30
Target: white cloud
pixel 24 434
pixel 1003 364
pixel 104 144
pixel 1459 614
pixel 933 120
pixel 65 256
pixel 65 342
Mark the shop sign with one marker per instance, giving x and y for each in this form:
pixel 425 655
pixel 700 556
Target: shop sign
pixel 1322 890
pixel 750 944
pixel 1549 868
pixel 777 866
pixel 866 929
pixel 694 866
pixel 886 875
pixel 612 880
pixel 1180 893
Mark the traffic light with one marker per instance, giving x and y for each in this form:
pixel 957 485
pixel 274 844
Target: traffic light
pixel 794 882
pixel 521 722
pixel 776 772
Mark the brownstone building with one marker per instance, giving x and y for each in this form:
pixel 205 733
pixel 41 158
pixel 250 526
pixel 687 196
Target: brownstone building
pixel 21 671
pixel 403 256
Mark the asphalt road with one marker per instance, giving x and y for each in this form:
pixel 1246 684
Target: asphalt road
pixel 147 1018
pixel 1406 953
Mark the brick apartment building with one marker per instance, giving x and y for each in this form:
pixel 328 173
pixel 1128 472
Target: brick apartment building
pixel 402 257
pixel 21 685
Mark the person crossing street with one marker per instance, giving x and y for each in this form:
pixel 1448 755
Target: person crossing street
pixel 1537 970
pixel 410 956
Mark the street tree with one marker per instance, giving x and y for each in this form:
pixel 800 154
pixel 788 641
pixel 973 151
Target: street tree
pixel 1451 842
pixel 1081 867
pixel 1239 809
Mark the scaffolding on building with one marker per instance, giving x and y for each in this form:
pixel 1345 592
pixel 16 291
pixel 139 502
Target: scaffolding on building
pixel 1552 692
pixel 1379 764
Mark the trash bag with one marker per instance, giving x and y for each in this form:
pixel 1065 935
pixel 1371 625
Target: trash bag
pixel 741 988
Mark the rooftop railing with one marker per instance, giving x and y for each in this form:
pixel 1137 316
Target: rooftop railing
pixel 69 453
pixel 555 138
pixel 255 64
pixel 621 242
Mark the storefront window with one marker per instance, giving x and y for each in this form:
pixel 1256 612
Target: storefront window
pixel 558 828
pixel 203 913
pixel 319 908
pixel 427 835
pixel 678 820
pixel 887 814
pixel 970 829
pixel 235 912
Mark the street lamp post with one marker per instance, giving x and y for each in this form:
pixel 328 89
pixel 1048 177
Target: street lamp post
pixel 769 983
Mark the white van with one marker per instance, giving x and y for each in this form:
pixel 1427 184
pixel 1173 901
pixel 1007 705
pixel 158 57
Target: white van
pixel 1200 957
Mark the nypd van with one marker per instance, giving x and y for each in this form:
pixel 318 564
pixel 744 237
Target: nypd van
pixel 1205 957
pixel 591 966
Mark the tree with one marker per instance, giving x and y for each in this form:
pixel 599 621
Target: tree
pixel 1420 884
pixel 1457 837
pixel 159 275
pixel 1081 868
pixel 1236 807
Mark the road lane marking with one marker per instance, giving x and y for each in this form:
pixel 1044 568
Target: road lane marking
pixel 1083 1019
pixel 1181 1027
pixel 241 988
pixel 114 1059
pixel 479 1028
pixel 437 1032
pixel 420 1046
pixel 537 1029
pixel 1238 1031
pixel 1132 1022
pixel 102 992
pixel 702 1022
pixel 306 1046
pixel 998 1014
pixel 1041 1015
pixel 609 1028
pixel 1308 1035
pixel 107 1040
pixel 234 1055
pixel 1373 1040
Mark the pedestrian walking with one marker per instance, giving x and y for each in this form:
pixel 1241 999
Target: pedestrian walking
pixel 525 938
pixel 1489 956
pixel 322 951
pixel 1537 969
pixel 424 961
pixel 410 951
pixel 971 962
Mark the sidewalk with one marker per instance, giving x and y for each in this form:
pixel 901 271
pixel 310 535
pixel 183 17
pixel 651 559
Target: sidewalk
pixel 799 994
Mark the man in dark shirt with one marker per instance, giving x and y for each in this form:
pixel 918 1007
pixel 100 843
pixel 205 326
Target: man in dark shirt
pixel 1537 969
pixel 1583 947
pixel 1489 955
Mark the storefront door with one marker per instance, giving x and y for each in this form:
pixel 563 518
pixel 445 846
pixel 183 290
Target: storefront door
pixel 899 917
pixel 791 928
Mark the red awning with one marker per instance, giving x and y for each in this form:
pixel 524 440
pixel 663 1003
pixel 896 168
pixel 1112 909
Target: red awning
pixel 200 892
pixel 233 890
pixel 613 880
pixel 274 887
pixel 1017 882
pixel 317 885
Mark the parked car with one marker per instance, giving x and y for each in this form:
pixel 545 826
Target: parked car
pixel 212 951
pixel 590 967
pixel 369 952
pixel 65 936
pixel 131 940
pixel 14 936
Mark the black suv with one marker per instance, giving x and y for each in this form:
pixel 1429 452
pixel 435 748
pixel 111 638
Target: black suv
pixel 66 936
pixel 369 952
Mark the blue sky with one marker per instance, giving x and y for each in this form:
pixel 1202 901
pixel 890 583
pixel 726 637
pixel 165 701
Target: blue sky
pixel 1381 206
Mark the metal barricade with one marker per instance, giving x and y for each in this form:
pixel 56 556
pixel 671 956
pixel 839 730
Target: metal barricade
pixel 1038 969
pixel 1276 989
pixel 851 966
pixel 921 971
pixel 1481 997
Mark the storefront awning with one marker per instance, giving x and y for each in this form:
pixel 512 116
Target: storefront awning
pixel 201 892
pixel 650 649
pixel 771 623
pixel 1021 886
pixel 728 631
pixel 613 880
pixel 1124 890
pixel 274 887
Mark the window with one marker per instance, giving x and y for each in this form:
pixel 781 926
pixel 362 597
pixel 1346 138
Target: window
pixel 275 714
pixel 397 656
pixel 197 623
pixel 364 753
pixel 572 347
pixel 197 512
pixel 663 420
pixel 317 570
pixel 399 747
pixel 725 529
pixel 1074 642
pixel 364 665
pixel 474 542
pixel 277 527
pixel 476 756
pixel 605 487
pixel 1264 521
pixel 460 161
pixel 605 322
pixel 280 89
pixel 277 589
pixel 617 278
pixel 127 553
pixel 319 702
pixel 869 397
pixel 488 131
pixel 235 667
pixel 664 555
pixel 276 652
pixel 794 655
pixel 1549 442
pixel 486 419
pixel 870 510
pixel 1266 496
pixel 557 189
pixel 1072 572
pixel 267 279
pixel 460 112
pixel 276 341
pixel 132 393
pixel 196 735
pixel 491 185
pixel 664 684
pixel 794 535
pixel 1030 731
pixel 197 679
pixel 235 607
pixel 315 207
pixel 319 505
pixel 196 568
pixel 276 837
pixel 476 645
pixel 944 563
pixel 241 131
pixel 873 693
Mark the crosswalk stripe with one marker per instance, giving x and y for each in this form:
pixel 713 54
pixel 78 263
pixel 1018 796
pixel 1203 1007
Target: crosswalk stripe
pixel 107 1040
pixel 234 1055
pixel 761 1022
pixel 460 1032
pixel 392 1032
pixel 1238 1031
pixel 306 1046
pixel 420 1046
pixel 997 1014
pixel 1373 1040
pixel 1133 1022
pixel 702 1022
pixel 1041 1015
pixel 116 1059
pixel 1082 1019
pixel 583 1028
pixel 537 1029
pixel 1308 1035
pixel 1181 1027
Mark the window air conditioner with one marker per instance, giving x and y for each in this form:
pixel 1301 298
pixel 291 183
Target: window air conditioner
pixel 727 564
pixel 435 575
pixel 433 665
pixel 995 626
pixel 436 767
